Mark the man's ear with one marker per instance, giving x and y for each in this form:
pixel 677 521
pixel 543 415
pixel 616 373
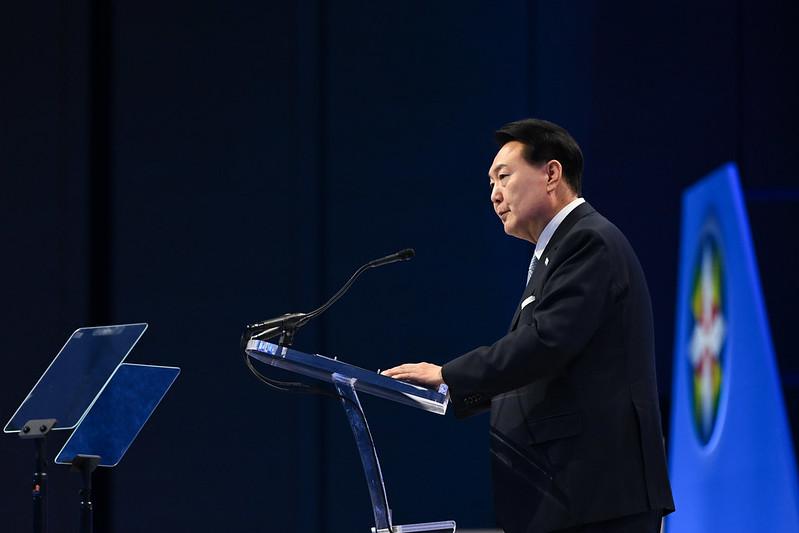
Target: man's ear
pixel 554 174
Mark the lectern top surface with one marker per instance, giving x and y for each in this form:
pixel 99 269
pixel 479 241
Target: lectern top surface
pixel 119 413
pixel 368 381
pixel 76 376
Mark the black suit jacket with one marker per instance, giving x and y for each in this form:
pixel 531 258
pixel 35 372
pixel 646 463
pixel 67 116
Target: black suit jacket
pixel 575 422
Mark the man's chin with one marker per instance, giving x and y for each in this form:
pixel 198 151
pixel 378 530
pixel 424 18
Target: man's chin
pixel 513 232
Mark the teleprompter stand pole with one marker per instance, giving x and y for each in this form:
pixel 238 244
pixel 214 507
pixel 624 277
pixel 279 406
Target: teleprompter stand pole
pixel 37 431
pixel 85 464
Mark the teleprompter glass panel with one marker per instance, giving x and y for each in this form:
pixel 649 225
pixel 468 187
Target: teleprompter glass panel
pixel 119 413
pixel 76 375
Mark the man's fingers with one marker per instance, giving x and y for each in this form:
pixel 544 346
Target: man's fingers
pixel 402 375
pixel 423 374
pixel 395 371
pixel 391 372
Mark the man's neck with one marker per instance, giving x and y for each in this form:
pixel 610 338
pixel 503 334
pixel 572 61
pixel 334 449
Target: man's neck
pixel 557 207
pixel 549 229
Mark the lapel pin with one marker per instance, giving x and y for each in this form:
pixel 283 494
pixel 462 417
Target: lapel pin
pixel 546 261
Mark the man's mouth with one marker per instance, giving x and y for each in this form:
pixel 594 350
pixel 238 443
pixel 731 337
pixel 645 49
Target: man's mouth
pixel 503 215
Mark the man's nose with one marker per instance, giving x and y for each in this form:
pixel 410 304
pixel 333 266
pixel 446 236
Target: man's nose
pixel 496 195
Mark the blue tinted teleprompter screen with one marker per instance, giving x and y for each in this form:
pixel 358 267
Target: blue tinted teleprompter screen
pixel 119 413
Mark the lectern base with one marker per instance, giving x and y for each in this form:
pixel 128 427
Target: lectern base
pixel 447 526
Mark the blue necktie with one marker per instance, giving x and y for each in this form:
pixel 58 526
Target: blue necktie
pixel 533 263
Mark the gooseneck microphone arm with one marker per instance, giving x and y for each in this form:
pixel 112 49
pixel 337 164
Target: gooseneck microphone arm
pixel 287 325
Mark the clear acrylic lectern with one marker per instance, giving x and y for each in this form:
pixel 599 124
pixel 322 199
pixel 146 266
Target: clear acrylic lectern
pixel 348 380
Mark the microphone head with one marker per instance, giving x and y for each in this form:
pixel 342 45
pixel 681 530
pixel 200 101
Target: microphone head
pixel 402 255
pixel 406 254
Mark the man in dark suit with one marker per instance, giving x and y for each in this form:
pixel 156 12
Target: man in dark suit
pixel 576 439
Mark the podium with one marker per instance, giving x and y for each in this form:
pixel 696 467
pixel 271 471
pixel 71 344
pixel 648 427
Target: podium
pixel 348 380
pixel 89 388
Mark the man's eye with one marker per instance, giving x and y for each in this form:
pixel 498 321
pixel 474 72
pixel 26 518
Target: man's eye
pixel 502 177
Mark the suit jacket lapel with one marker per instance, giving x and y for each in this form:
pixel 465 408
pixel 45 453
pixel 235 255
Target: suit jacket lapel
pixel 563 229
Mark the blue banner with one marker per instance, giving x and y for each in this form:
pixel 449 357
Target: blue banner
pixel 731 456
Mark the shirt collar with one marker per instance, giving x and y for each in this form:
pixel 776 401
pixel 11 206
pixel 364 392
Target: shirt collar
pixel 553 224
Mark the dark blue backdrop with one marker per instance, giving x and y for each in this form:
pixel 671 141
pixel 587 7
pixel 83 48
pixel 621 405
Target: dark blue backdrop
pixel 202 165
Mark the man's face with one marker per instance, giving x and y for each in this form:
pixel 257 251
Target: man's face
pixel 519 192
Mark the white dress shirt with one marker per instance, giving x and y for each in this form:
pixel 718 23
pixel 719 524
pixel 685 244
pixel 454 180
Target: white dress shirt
pixel 553 224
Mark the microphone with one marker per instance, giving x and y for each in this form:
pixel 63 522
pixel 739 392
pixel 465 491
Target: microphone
pixel 287 324
pixel 403 255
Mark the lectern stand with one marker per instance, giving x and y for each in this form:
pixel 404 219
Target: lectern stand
pixel 348 380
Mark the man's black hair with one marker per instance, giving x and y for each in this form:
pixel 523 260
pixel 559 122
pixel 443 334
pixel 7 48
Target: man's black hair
pixel 544 141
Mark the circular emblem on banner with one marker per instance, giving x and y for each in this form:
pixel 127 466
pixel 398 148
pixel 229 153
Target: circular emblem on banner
pixel 708 332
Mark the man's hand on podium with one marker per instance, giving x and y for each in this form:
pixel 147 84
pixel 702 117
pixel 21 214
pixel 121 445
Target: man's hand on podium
pixel 424 374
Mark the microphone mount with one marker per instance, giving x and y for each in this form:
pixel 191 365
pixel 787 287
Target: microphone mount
pixel 285 325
